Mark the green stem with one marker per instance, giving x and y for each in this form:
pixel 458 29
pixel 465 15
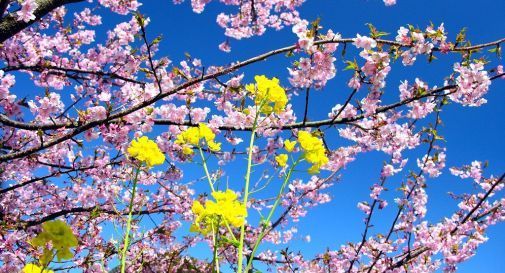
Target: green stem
pixel 206 169
pixel 246 194
pixel 46 266
pixel 230 231
pixel 270 215
pixel 216 258
pixel 129 223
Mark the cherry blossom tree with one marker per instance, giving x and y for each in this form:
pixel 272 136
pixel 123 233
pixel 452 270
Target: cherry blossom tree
pixel 82 189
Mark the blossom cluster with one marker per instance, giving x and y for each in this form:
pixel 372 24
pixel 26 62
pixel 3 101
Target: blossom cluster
pixel 193 137
pixel 67 148
pixel 419 109
pixel 472 83
pixel 268 94
pixel 146 151
pixel 225 211
pixel 317 69
pixel 421 42
pixel 313 151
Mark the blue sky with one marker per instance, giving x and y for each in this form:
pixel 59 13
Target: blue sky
pixel 471 133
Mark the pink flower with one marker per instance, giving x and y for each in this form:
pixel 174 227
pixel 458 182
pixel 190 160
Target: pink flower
pixel 389 170
pixel 408 58
pixel 499 70
pixel 348 112
pixel 472 84
pixel 390 2
pixel 225 46
pixel 199 5
pixel 363 206
pixel 376 191
pixel 403 36
pixel 199 114
pixel 318 70
pixel 121 7
pixel 421 109
pixel 48 105
pixel 473 171
pixel 96 113
pixel 364 42
pixel 354 82
pixel 104 96
pixel 432 165
pixel 26 12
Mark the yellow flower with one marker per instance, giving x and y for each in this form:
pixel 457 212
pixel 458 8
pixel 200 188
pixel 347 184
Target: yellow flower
pixel 214 146
pixel 289 145
pixel 193 136
pixel 206 132
pixel 189 136
pixel 147 151
pixel 33 268
pixel 269 93
pixel 187 150
pixel 225 210
pixel 314 151
pixel 282 159
pixel 61 237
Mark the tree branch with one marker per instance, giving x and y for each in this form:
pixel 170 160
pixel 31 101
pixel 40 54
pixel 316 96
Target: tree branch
pixel 78 210
pixel 10 26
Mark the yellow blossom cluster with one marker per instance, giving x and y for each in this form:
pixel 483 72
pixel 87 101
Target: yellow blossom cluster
pixel 226 210
pixel 59 234
pixel 289 145
pixel 281 160
pixel 147 151
pixel 314 151
pixel 269 94
pixel 33 268
pixel 193 136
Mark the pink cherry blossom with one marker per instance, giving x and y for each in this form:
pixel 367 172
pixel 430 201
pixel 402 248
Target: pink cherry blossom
pixel 26 13
pixel 364 42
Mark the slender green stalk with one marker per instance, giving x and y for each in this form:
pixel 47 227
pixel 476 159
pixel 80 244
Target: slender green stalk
pixel 204 161
pixel 214 239
pixel 230 231
pixel 246 193
pixel 129 222
pixel 46 266
pixel 270 215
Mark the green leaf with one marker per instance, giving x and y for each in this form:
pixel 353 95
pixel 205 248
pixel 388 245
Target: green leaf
pixel 374 33
pixel 351 65
pixel 157 40
pixel 140 19
pixel 381 33
pixel 496 50
pixel 461 35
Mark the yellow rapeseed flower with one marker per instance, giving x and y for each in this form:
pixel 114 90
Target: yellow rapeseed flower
pixel 193 136
pixel 147 151
pixel 33 268
pixel 59 234
pixel 225 210
pixel 289 145
pixel 282 159
pixel 190 136
pixel 269 93
pixel 314 151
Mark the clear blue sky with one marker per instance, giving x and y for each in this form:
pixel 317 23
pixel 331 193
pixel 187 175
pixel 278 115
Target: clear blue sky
pixel 472 133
